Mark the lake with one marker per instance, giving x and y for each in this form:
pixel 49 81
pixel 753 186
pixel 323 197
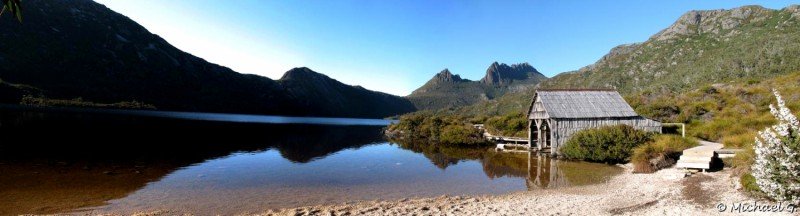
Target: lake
pixel 78 160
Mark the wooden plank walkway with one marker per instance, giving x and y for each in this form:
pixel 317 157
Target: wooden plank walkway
pixel 727 153
pixel 505 143
pixel 699 157
pixel 500 139
pixel 504 139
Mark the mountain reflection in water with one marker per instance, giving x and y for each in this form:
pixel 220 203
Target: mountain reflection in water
pixel 55 162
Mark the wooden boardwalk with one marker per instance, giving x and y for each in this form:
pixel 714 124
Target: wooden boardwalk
pixel 505 143
pixel 500 139
pixel 505 139
pixel 699 157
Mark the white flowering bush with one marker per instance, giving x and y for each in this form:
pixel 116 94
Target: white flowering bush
pixel 777 162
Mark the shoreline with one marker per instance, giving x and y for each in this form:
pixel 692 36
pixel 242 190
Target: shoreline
pixel 665 192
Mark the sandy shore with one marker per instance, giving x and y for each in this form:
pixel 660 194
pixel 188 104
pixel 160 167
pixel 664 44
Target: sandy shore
pixel 665 192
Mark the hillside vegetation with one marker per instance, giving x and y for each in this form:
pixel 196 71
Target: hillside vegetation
pixel 730 113
pixel 701 47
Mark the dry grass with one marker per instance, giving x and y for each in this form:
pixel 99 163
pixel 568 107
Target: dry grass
pixel 662 152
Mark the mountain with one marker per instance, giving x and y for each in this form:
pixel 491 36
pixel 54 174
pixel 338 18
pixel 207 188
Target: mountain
pixel 746 44
pixel 81 49
pixel 332 98
pixel 446 90
pixel 446 77
pixel 701 47
pixel 502 74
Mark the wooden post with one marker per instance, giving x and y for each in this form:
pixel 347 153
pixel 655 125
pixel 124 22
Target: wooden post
pixel 530 141
pixel 538 134
pixel 553 145
pixel 538 124
pixel 543 135
pixel 683 128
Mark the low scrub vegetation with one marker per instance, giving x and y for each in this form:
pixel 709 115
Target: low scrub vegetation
pixel 454 129
pixel 609 144
pixel 662 152
pixel 749 185
pixel 436 129
pixel 79 102
pixel 731 113
pixel 512 124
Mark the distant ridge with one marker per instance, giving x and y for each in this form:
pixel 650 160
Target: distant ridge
pixel 446 90
pixel 81 49
pixel 331 97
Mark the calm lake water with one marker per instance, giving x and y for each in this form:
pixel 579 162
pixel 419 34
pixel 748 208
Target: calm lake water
pixel 56 161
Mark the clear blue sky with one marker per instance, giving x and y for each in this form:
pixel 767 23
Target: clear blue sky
pixel 395 46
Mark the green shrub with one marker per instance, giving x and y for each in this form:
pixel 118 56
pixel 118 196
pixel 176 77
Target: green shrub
pixel 442 129
pixel 610 144
pixel 513 124
pixel 749 184
pixel 659 110
pixel 460 134
pixel 662 152
pixel 478 119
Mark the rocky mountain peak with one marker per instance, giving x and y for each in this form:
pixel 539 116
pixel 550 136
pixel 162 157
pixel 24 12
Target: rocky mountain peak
pixel 300 73
pixel 446 76
pixel 445 72
pixel 794 9
pixel 523 67
pixel 501 74
pixel 712 21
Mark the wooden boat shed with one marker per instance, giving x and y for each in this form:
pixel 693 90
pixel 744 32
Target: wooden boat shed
pixel 554 115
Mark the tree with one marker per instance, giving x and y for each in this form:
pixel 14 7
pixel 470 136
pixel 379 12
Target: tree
pixel 777 163
pixel 13 7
